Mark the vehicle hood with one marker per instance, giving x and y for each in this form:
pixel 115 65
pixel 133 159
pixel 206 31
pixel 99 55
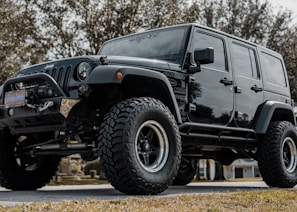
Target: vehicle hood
pixel 71 62
pixel 96 60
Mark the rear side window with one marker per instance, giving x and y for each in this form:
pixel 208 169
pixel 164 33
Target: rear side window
pixel 274 69
pixel 244 61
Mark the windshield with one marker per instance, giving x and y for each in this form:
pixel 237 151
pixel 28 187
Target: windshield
pixel 163 44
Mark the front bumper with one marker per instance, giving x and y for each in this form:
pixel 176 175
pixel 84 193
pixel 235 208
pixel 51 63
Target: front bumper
pixel 25 116
pixel 43 114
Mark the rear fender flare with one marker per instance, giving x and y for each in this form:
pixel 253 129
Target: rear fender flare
pixel 266 114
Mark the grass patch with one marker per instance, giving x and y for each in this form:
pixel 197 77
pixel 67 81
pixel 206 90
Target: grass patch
pixel 270 200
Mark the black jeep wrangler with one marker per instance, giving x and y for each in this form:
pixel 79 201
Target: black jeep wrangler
pixel 150 105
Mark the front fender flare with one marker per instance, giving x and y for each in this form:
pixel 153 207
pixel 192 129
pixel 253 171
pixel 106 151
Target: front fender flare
pixel 108 75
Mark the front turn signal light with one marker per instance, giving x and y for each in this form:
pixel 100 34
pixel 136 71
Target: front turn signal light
pixel 119 75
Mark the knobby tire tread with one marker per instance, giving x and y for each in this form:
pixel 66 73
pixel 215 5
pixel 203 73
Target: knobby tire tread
pixel 12 177
pixel 269 157
pixel 111 147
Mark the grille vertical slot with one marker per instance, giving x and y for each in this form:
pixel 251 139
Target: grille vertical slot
pixel 61 76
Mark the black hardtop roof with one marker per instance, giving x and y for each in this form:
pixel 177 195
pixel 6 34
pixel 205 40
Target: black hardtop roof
pixel 208 29
pixel 234 37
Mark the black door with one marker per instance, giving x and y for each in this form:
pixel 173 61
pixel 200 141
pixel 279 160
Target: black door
pixel 211 90
pixel 248 87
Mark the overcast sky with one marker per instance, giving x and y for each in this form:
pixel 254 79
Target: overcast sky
pixel 290 4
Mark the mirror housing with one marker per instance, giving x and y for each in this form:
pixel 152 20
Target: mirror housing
pixel 204 56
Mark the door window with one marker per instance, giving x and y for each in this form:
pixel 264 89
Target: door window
pixel 244 61
pixel 202 41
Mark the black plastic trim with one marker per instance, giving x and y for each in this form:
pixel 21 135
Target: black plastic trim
pixel 108 74
pixel 267 112
pixel 197 134
pixel 42 76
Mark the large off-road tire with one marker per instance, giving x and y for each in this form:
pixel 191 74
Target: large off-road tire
pixel 140 147
pixel 277 155
pixel 22 172
pixel 187 171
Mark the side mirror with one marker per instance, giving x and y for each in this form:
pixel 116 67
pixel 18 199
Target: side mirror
pixel 204 56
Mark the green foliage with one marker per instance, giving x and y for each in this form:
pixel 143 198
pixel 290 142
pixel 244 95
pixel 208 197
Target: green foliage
pixel 18 38
pixel 77 27
pixel 252 20
pixel 286 44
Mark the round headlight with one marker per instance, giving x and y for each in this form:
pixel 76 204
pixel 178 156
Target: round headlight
pixel 83 70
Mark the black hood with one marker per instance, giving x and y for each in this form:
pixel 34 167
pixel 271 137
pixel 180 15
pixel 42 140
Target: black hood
pixel 69 63
pixel 95 61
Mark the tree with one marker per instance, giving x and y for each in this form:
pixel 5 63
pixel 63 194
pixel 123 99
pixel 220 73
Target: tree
pixel 287 46
pixel 160 13
pixel 77 27
pixel 18 37
pixel 60 28
pixel 244 18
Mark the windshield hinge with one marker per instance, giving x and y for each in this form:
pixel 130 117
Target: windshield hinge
pixel 192 68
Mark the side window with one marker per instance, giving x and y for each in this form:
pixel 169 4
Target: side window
pixel 274 69
pixel 244 61
pixel 202 40
pixel 254 64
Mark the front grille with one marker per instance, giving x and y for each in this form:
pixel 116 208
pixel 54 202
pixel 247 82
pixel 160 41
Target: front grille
pixel 61 76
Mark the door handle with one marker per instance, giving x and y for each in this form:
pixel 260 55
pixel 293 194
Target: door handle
pixel 256 88
pixel 226 82
pixel 237 89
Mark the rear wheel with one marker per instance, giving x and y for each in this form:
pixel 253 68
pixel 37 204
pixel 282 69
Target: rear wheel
pixel 140 146
pixel 22 171
pixel 187 171
pixel 277 155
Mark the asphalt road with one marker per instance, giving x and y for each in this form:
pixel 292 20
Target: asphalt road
pixel 106 192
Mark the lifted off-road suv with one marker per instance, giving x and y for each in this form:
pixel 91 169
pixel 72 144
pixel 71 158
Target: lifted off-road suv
pixel 150 105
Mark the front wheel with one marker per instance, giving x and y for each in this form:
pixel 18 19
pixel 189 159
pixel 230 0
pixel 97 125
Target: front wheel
pixel 277 155
pixel 23 171
pixel 140 146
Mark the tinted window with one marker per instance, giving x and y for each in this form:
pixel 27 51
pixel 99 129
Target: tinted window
pixel 203 41
pixel 165 44
pixel 274 69
pixel 244 61
pixel 254 64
